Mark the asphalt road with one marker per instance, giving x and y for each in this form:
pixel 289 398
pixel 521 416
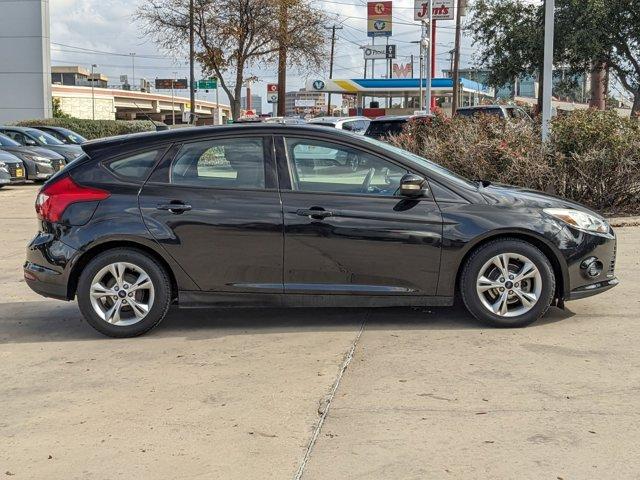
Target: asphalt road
pixel 398 393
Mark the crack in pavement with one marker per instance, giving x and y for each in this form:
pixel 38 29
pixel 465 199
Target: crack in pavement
pixel 323 408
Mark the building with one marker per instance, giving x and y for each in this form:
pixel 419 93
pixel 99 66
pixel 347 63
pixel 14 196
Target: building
pixel 25 64
pixel 77 76
pixel 256 104
pixel 304 102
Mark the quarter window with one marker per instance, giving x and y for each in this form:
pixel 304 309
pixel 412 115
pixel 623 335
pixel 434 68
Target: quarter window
pixel 136 167
pixel 319 166
pixel 237 163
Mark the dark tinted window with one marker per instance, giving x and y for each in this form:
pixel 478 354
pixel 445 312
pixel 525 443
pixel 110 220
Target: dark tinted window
pixel 15 136
pixel 226 163
pixel 135 167
pixel 383 128
pixel 469 112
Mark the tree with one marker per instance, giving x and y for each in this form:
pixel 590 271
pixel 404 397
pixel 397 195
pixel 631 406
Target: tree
pixel 234 35
pixel 590 35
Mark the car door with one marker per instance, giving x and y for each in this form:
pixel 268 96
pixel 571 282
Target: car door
pixel 346 229
pixel 214 206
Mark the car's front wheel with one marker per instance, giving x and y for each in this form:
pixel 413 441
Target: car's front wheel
pixel 124 292
pixel 507 283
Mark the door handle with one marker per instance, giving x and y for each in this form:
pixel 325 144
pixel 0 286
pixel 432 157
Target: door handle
pixel 177 207
pixel 317 213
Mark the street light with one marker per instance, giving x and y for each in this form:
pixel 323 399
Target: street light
pixel 93 96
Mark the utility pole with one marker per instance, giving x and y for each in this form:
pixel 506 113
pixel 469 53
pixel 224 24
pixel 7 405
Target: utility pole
pixel 549 8
pixel 133 67
pixel 173 102
pixel 333 47
pixel 456 59
pixel 192 76
pixel 282 57
pixel 432 41
pixel 93 96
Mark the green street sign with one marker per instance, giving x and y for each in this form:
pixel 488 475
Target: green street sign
pixel 209 84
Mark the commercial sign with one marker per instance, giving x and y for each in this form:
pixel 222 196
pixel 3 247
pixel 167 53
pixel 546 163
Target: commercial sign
pixel 376 52
pixel 379 19
pixel 272 93
pixel 400 70
pixel 442 10
pixel 169 83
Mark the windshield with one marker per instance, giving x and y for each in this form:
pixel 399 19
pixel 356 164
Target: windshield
pixel 382 128
pixel 44 138
pixel 7 142
pixel 422 162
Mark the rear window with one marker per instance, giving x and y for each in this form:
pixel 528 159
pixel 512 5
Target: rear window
pixel 136 167
pixel 384 128
pixel 469 112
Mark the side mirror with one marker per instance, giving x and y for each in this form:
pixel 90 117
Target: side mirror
pixel 413 186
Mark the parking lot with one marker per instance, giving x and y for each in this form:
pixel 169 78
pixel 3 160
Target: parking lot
pixel 398 393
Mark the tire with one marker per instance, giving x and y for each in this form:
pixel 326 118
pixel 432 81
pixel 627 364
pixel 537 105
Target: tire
pixel 98 292
pixel 501 300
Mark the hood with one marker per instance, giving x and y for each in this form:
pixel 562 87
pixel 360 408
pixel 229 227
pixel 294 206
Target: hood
pixel 518 197
pixel 40 151
pixel 7 157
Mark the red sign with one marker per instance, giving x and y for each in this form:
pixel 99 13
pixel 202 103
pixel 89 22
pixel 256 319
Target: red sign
pixel 272 87
pixel 379 9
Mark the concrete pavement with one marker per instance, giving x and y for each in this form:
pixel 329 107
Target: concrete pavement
pixel 240 393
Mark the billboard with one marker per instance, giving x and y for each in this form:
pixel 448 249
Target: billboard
pixel 379 19
pixel 442 10
pixel 169 83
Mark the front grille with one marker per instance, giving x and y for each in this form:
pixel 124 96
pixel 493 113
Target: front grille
pixel 612 264
pixel 13 167
pixel 56 164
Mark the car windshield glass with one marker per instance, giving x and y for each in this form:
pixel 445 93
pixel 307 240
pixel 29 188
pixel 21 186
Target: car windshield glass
pixel 75 138
pixel 7 142
pixel 44 138
pixel 422 162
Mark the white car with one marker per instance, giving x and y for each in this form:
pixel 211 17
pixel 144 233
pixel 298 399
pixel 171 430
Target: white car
pixel 352 124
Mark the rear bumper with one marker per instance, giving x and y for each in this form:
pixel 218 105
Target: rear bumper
pixel 47 267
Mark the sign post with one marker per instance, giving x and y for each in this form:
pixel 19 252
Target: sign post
pixel 379 24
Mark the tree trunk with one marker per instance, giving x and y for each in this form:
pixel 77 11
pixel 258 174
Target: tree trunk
pixel 635 109
pixel 598 86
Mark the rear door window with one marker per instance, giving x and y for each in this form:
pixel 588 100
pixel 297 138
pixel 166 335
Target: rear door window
pixel 235 163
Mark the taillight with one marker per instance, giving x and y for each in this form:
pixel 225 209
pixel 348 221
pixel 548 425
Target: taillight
pixel 53 199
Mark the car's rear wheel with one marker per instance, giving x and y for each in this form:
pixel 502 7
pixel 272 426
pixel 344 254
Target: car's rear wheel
pixel 507 283
pixel 124 292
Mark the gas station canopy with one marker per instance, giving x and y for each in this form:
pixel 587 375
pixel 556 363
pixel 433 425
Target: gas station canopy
pixel 397 86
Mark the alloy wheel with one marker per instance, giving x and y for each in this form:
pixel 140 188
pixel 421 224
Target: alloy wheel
pixel 509 285
pixel 122 293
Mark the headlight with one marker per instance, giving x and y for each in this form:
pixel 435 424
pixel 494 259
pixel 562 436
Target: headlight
pixel 44 160
pixel 580 220
pixel 3 167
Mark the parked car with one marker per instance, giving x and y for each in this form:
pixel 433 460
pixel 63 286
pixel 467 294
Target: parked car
pixel 65 135
pixel 11 169
pixel 32 137
pixel 223 216
pixel 39 163
pixel 352 124
pixel 387 125
pixel 505 112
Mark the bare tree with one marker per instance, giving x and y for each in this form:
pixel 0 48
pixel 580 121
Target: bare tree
pixel 234 35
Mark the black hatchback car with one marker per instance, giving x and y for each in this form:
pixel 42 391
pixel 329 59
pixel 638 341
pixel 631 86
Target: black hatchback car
pixel 274 215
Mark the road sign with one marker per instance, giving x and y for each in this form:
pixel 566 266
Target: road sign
pixel 272 97
pixel 376 52
pixel 379 23
pixel 208 84
pixel 442 10
pixel 166 84
pixel 272 87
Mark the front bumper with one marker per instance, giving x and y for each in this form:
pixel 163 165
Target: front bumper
pixel 580 247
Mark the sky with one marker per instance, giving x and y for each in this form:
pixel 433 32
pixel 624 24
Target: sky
pixel 85 32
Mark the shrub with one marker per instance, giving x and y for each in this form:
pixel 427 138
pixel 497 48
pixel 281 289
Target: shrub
pixel 92 129
pixel 593 157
